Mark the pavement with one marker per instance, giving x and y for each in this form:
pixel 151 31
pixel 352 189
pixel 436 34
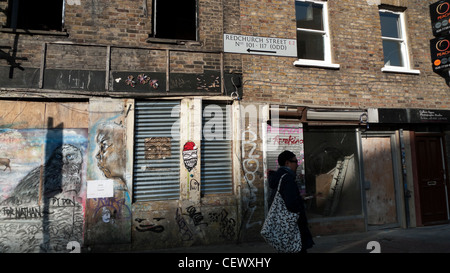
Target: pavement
pixel 429 239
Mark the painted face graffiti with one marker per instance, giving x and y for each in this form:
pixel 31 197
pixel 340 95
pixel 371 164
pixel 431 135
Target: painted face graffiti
pixel 106 215
pixel 143 226
pixel 110 155
pixel 190 156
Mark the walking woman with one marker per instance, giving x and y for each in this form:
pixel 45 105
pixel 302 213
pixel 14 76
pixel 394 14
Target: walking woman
pixel 291 194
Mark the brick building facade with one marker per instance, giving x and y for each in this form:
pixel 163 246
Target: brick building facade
pixel 119 132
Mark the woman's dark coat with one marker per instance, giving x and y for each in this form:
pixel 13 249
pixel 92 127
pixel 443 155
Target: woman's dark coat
pixel 293 200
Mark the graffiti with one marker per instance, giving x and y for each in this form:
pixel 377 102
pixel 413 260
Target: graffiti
pixel 61 175
pixel 227 225
pixel 177 82
pixel 143 80
pixel 194 185
pixel 58 226
pixel 158 147
pixel 130 81
pixel 106 215
pixel 186 233
pixel 109 215
pixel 42 200
pixel 190 156
pixel 142 227
pixel 197 217
pixel 285 130
pixel 5 162
pixel 22 212
pixel 250 166
pixel 111 155
pixel 291 140
pixel 63 202
pixel 111 209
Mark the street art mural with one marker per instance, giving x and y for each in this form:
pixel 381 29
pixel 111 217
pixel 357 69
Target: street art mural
pixel 109 219
pixel 190 156
pixel 111 157
pixel 42 195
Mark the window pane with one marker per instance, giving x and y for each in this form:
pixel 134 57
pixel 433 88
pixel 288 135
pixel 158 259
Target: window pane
pixel 176 19
pixel 392 53
pixel 309 15
pixel 390 25
pixel 331 172
pixel 31 14
pixel 310 46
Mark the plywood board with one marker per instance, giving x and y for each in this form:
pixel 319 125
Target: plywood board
pixel 378 172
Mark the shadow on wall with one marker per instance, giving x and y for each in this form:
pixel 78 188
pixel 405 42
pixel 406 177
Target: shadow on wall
pixel 50 192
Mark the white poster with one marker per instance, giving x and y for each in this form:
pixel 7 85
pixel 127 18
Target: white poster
pixel 100 188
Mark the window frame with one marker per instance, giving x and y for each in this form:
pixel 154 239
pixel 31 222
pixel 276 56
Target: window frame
pixel 154 33
pixel 327 62
pixel 13 20
pixel 404 45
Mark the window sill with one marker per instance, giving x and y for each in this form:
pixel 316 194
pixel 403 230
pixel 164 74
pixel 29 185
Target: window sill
pixel 397 69
pixel 172 41
pixel 34 32
pixel 318 64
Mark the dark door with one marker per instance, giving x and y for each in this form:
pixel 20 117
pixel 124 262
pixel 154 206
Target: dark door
pixel 432 188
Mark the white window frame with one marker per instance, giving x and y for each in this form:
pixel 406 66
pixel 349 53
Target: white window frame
pixel 403 45
pixel 327 62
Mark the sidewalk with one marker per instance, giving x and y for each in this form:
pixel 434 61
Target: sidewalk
pixel 431 239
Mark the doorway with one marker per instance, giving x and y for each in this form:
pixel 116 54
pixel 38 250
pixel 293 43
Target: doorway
pixel 381 180
pixel 431 184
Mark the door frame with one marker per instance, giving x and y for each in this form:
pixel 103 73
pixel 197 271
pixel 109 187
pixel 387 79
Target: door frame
pixel 396 167
pixel 441 136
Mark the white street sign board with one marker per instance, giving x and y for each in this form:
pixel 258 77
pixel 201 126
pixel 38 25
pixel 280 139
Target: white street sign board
pixel 242 44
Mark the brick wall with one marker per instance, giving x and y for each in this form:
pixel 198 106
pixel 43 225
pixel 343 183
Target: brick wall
pixel 122 23
pixel 356 46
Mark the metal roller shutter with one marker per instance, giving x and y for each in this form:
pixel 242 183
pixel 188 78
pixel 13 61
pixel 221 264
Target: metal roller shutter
pixel 156 169
pixel 216 163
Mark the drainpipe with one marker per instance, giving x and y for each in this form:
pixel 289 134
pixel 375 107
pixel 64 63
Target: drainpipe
pixel 406 192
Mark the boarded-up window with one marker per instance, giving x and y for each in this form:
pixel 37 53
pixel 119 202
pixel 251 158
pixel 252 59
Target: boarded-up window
pixel 156 152
pixel 216 163
pixel 158 147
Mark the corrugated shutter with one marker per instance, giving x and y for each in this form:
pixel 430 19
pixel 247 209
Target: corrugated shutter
pixel 216 163
pixel 156 174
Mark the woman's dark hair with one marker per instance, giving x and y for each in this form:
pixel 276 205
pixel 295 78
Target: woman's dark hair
pixel 284 156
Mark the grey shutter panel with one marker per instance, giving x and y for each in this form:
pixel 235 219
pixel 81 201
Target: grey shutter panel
pixel 216 163
pixel 156 175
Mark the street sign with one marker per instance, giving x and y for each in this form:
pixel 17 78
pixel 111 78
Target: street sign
pixel 440 54
pixel 440 46
pixel 242 44
pixel 440 17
